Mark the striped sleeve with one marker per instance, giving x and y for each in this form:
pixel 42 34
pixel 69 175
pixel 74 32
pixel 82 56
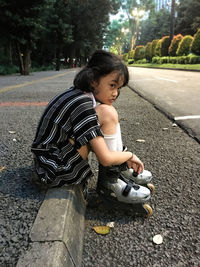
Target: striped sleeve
pixel 85 122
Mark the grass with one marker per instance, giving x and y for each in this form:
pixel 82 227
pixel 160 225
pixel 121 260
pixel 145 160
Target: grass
pixel 168 66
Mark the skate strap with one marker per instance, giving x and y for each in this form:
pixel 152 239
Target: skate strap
pixel 127 189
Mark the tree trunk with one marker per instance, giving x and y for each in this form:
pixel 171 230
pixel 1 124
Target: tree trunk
pixel 10 54
pixel 24 59
pixel 58 58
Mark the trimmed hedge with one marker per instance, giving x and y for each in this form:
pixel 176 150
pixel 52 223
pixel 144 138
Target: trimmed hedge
pixel 131 54
pixel 148 51
pixel 195 46
pixel 191 59
pixel 153 47
pixel 174 44
pixel 158 48
pixel 165 43
pixel 125 57
pixel 139 52
pixel 184 46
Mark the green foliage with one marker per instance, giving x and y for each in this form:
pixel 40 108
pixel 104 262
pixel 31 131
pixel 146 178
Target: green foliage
pixel 174 44
pixel 190 59
pixel 141 61
pixel 155 26
pixel 131 54
pixel 188 20
pixel 139 52
pixel 193 59
pixel 130 61
pixel 195 46
pixel 148 51
pixel 125 57
pixel 4 70
pixel 184 46
pixel 158 48
pixel 165 43
pixel 52 29
pixel 153 47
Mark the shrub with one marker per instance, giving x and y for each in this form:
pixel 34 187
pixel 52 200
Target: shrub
pixel 148 51
pixel 142 61
pixel 158 48
pixel 153 47
pixel 125 57
pixel 131 54
pixel 184 46
pixel 174 44
pixel 193 59
pixel 8 69
pixel 195 46
pixel 139 52
pixel 131 61
pixel 156 60
pixel 165 43
pixel 163 60
pixel 172 60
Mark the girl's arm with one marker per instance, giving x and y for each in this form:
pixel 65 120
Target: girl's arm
pixel 108 158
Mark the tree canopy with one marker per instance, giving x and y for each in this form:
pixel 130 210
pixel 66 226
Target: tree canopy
pixel 48 30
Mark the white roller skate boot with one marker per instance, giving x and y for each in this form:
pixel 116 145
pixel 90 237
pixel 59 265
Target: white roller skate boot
pixel 143 178
pixel 115 188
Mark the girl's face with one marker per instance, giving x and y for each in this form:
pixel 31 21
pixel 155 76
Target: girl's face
pixel 106 90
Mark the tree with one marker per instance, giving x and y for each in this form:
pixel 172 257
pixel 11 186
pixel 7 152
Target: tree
pixel 155 26
pixel 128 6
pixel 19 25
pixel 188 20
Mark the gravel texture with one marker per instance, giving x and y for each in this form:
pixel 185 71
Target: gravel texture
pixel 174 160
pixel 19 199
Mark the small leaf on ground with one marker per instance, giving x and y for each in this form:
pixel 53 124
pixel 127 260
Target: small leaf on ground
pixel 102 230
pixel 2 168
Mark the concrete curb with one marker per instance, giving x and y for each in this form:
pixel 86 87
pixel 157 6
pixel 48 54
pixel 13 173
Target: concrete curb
pixel 58 231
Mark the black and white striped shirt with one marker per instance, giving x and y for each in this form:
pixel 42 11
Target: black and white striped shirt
pixel 68 115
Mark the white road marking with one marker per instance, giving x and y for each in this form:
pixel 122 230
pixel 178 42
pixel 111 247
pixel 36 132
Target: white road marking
pixel 190 117
pixel 165 79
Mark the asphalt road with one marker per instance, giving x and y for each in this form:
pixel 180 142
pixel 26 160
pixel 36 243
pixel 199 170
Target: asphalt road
pixel 171 155
pixel 174 160
pixel 22 100
pixel 175 92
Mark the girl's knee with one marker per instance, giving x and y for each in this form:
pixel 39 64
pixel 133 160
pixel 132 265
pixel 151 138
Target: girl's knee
pixel 108 118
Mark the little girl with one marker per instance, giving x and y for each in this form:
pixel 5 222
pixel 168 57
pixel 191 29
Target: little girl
pixel 73 124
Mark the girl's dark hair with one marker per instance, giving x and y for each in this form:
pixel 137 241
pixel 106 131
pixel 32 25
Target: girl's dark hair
pixel 101 64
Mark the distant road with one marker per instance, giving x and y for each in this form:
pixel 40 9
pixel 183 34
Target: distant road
pixel 176 93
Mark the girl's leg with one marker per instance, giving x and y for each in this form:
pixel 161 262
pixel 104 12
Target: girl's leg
pixel 109 180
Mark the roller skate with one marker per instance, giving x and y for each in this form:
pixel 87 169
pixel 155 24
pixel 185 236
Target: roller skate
pixel 144 178
pixel 119 192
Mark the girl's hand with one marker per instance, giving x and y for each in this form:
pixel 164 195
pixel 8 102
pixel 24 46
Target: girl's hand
pixel 135 163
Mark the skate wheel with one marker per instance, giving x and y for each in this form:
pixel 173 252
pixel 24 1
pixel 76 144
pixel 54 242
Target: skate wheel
pixel 151 187
pixel 148 209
